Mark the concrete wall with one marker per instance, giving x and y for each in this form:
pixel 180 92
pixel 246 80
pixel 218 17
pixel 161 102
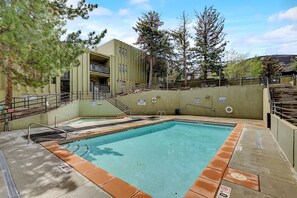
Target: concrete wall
pixel 167 101
pixel 24 122
pixel 73 110
pixel 286 135
pixel 266 105
pixel 244 100
pixel 70 111
pixel 274 127
pixel 99 108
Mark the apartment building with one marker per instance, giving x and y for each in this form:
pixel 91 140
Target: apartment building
pixel 113 67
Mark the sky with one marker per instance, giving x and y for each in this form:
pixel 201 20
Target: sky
pixel 252 27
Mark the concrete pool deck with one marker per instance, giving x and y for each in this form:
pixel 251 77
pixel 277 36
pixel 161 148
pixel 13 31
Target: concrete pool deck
pixel 36 174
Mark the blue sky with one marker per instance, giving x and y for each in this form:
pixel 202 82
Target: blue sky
pixel 261 27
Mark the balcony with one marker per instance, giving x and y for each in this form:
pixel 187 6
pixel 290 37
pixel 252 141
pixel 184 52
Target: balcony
pixel 99 88
pixel 94 67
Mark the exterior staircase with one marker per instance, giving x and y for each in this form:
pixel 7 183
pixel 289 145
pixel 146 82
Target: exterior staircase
pixel 121 106
pixel 284 101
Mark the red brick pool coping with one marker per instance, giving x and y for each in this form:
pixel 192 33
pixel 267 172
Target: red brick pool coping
pixel 206 185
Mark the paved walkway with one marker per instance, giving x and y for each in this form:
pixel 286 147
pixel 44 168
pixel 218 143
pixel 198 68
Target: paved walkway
pixel 36 174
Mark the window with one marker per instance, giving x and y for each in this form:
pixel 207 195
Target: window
pixel 53 80
pixel 121 68
pixel 123 51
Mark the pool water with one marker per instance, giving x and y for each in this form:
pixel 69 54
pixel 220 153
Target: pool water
pixel 162 160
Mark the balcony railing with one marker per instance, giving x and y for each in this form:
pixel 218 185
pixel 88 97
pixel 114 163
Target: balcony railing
pixel 99 88
pixel 99 68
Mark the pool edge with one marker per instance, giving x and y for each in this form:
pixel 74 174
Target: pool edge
pixel 206 185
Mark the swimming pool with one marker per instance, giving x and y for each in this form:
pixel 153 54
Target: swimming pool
pixel 162 160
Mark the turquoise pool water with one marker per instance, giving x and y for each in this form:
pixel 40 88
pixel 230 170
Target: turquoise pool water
pixel 162 160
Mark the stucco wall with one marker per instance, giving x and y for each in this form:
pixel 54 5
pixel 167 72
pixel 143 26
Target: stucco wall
pixel 70 111
pixel 82 108
pixel 246 102
pixel 266 105
pixel 98 108
pixel 274 127
pixel 167 101
pixel 24 122
pixel 286 135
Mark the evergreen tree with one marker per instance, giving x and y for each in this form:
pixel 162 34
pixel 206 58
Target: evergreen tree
pixel 31 45
pixel 152 40
pixel 271 68
pixel 209 40
pixel 293 64
pixel 181 38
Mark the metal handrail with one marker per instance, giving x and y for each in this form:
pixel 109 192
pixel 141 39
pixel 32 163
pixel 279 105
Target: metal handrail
pixel 128 110
pixel 88 149
pixel 286 102
pixel 58 115
pixel 42 125
pixel 161 113
pixel 286 109
pixel 211 108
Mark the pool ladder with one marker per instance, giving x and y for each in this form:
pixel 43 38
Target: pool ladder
pixel 161 114
pixel 78 147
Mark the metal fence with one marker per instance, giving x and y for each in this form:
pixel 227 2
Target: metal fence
pixel 285 110
pixel 191 84
pixel 35 104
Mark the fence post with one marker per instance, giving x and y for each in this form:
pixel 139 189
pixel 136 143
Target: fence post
pixel 45 104
pixel 281 110
pixel 14 103
pixel 56 100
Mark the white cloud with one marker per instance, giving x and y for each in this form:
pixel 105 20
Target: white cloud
pixel 141 4
pixel 133 2
pixel 286 48
pixel 124 12
pixel 100 11
pixel 278 41
pixel 284 34
pixel 290 14
pixel 123 31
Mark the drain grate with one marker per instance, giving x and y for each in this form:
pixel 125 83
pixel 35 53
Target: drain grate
pixel 65 167
pixel 238 176
pixel 10 185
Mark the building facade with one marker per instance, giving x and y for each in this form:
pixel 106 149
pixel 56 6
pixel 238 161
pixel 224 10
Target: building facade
pixel 113 67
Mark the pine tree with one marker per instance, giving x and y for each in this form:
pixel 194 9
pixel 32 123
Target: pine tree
pixel 293 64
pixel 181 37
pixel 271 68
pixel 31 45
pixel 209 40
pixel 153 41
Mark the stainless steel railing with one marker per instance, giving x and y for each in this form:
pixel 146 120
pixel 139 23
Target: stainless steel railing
pixel 42 125
pixel 58 115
